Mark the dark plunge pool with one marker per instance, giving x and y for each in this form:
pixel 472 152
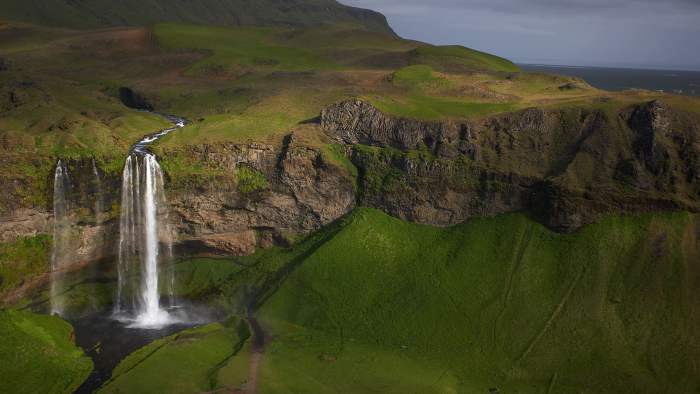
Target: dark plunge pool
pixel 108 341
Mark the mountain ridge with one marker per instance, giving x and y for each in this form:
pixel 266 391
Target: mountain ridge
pixel 91 14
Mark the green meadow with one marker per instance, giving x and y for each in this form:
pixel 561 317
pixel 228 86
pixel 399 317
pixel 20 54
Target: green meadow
pixel 375 304
pixel 38 355
pixel 493 303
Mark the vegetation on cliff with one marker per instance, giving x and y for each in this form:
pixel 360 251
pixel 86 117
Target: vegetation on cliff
pixel 22 260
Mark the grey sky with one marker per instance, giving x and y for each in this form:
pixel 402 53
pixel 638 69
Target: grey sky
pixel 637 33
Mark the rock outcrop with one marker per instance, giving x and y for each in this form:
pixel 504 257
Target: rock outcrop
pixel 24 223
pixel 298 192
pixel 241 197
pixel 566 167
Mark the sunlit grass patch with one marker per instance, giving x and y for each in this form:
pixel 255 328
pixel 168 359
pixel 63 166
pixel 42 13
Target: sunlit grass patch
pixel 38 355
pixel 231 47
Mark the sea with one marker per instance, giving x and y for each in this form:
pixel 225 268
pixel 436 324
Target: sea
pixel 618 79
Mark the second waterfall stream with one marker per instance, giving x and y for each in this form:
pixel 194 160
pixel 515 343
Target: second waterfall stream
pixel 145 240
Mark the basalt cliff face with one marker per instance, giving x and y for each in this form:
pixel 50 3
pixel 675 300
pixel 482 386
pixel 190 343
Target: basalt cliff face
pixel 254 195
pixel 565 167
pixel 91 209
pixel 241 197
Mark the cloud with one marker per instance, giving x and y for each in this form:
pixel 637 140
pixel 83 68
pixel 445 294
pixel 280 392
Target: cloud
pixel 590 32
pixel 529 6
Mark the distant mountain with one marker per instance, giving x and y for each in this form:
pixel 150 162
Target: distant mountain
pixel 87 14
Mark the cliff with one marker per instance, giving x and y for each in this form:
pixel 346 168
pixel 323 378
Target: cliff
pixel 244 196
pixel 565 167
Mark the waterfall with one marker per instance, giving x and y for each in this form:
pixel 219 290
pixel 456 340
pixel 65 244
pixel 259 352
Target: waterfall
pixel 144 241
pixel 99 197
pixel 61 250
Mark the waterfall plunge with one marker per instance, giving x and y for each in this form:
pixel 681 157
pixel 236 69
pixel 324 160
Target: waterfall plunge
pixel 61 252
pixel 144 242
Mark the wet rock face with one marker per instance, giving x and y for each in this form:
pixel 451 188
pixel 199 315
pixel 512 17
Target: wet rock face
pixel 135 100
pixel 294 191
pixel 565 167
pixel 93 228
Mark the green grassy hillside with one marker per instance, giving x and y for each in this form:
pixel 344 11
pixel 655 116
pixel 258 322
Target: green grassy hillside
pixel 38 355
pixel 374 304
pixel 105 13
pixel 454 56
pixel 191 361
pixel 494 303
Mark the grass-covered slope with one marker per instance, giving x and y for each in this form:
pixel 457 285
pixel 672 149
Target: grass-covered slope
pixel 106 13
pixel 494 303
pixel 450 56
pixel 37 355
pixel 192 361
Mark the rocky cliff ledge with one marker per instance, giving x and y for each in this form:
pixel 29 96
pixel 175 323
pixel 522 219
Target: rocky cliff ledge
pixel 242 196
pixel 225 199
pixel 565 167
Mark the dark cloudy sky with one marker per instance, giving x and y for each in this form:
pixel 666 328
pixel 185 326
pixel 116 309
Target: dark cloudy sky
pixel 634 33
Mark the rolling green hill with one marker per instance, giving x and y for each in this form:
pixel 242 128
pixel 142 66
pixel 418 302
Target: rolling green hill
pixel 375 304
pixel 86 14
pixel 494 303
pixel 38 355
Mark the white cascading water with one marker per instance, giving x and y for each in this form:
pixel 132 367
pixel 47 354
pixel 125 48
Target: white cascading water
pixel 61 252
pixel 99 198
pixel 144 241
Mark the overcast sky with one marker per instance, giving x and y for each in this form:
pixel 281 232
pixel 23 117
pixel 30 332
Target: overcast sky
pixel 633 33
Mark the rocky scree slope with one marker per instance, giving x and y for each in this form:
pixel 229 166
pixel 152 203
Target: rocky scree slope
pixel 566 167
